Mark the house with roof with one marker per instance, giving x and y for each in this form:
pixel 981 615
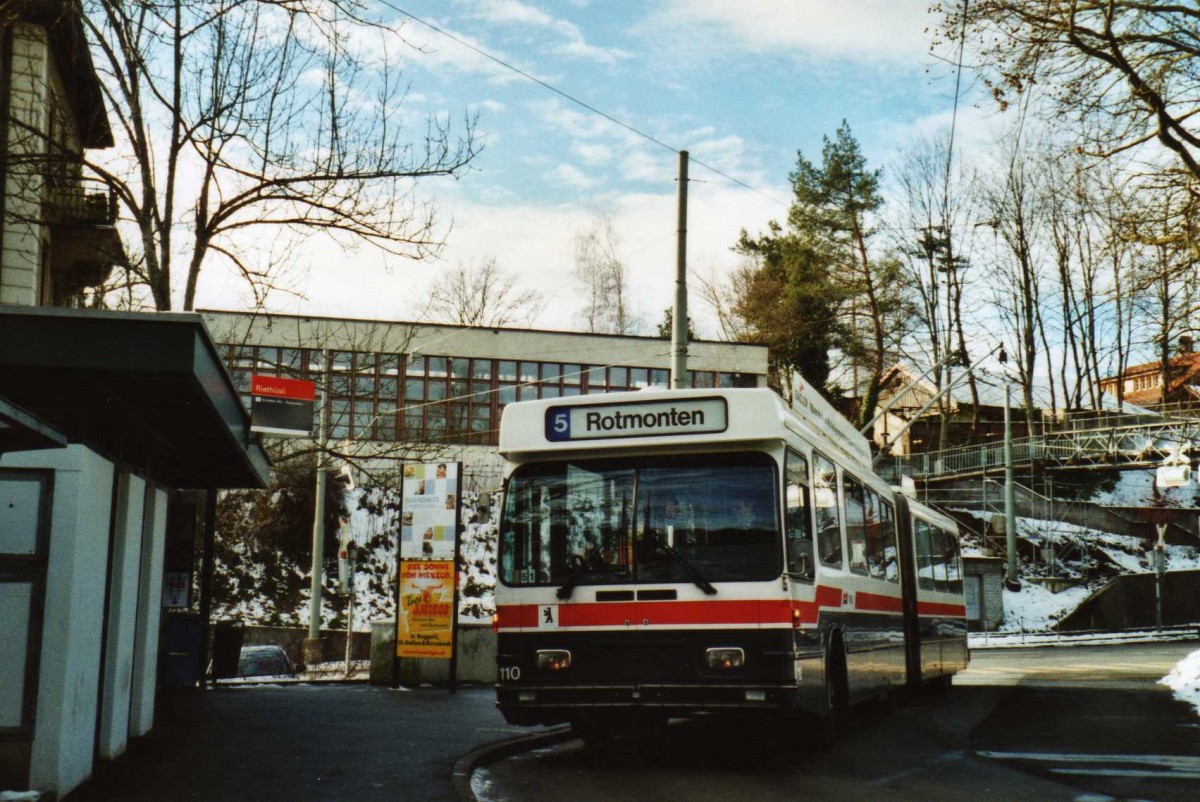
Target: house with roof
pixel 973 412
pixel 1144 385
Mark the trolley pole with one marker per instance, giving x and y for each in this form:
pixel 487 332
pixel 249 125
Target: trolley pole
pixel 679 315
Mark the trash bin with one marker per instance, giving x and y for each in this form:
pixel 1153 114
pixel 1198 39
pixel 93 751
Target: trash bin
pixel 227 648
pixel 181 650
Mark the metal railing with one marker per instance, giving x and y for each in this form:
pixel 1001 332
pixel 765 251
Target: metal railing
pixel 85 202
pixel 1131 443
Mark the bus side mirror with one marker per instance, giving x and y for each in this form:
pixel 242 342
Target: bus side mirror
pixel 800 557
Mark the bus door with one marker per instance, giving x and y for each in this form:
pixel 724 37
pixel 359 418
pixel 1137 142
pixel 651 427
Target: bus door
pixel 908 589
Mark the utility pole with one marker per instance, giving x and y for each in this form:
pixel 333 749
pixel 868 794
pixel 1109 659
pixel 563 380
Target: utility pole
pixel 1010 502
pixel 313 649
pixel 679 320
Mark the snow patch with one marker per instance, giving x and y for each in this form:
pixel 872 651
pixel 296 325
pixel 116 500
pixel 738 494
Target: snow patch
pixel 1184 680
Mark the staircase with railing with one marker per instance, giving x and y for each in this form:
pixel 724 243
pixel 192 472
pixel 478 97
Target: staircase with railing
pixel 1080 440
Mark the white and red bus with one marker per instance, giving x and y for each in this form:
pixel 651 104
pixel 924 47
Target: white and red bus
pixel 665 553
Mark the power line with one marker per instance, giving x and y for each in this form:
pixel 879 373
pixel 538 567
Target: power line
pixel 571 98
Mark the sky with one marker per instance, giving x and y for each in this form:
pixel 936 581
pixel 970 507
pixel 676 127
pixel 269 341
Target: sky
pixel 741 86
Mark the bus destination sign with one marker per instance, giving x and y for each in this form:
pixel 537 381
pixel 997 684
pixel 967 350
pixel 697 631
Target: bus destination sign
pixel 639 419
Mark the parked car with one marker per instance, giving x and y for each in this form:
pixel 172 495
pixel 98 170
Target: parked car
pixel 266 661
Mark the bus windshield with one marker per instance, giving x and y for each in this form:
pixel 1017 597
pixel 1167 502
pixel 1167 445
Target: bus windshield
pixel 699 518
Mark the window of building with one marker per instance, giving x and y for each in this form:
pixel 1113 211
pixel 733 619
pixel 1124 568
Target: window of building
pixel 388 397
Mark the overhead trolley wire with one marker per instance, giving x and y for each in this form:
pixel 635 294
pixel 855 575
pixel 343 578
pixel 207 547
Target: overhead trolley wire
pixel 571 98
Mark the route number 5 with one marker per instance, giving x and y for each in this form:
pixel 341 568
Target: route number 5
pixel 560 424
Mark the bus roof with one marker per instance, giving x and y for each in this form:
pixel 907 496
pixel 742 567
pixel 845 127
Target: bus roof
pixel 673 417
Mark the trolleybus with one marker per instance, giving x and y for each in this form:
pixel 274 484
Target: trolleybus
pixel 666 553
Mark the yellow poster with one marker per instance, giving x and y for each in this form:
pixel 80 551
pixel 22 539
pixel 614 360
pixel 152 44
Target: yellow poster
pixel 424 627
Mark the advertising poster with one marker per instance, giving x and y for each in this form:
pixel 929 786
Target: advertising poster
pixel 429 521
pixel 424 621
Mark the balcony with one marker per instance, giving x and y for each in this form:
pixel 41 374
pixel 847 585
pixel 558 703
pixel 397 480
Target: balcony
pixel 85 245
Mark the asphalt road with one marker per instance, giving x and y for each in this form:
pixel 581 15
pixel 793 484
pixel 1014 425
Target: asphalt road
pixel 302 743
pixel 1042 724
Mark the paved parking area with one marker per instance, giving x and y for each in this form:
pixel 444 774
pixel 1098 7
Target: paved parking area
pixel 317 743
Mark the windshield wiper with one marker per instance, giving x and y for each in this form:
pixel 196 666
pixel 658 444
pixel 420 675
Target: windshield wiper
pixel 692 571
pixel 587 568
pixel 564 592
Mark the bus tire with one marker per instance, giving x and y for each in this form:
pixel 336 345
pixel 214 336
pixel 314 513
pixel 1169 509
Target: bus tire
pixel 836 695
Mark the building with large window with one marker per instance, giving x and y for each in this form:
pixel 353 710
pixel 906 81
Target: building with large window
pixel 442 385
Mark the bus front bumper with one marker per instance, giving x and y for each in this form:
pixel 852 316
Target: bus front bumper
pixel 550 704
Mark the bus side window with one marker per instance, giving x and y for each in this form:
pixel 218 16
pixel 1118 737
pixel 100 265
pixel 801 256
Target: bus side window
pixel 922 530
pixel 887 528
pixel 856 523
pixel 799 517
pixel 940 542
pixel 953 564
pixel 825 500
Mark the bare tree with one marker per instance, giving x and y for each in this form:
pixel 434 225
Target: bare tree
pixel 938 207
pixel 246 125
pixel 1123 70
pixel 1017 207
pixel 481 295
pixel 605 279
pixel 724 295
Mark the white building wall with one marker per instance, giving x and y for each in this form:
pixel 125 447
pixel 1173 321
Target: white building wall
pixel 65 730
pixel 21 252
pixel 145 651
pixel 122 615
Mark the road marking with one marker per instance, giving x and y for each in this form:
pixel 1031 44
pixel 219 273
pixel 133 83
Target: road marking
pixel 1165 774
pixel 1179 767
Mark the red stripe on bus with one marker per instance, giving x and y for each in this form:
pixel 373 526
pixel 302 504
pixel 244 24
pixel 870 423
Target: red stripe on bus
pixel 828 596
pixel 516 616
pixel 738 611
pixel 607 614
pixel 940 608
pixel 877 602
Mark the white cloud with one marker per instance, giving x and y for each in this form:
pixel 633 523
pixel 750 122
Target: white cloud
pixel 435 53
pixel 866 30
pixel 592 153
pixel 494 106
pixel 573 177
pixel 513 12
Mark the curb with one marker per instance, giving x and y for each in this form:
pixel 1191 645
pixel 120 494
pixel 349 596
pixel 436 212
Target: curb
pixel 481 756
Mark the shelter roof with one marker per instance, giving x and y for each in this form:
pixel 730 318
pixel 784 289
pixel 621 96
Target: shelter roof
pixel 144 389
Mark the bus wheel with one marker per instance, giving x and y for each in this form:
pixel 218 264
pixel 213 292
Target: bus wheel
pixel 836 696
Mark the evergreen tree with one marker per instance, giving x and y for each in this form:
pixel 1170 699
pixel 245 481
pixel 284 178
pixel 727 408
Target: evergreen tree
pixel 790 305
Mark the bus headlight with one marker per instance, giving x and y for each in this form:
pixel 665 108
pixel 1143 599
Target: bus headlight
pixel 725 657
pixel 553 659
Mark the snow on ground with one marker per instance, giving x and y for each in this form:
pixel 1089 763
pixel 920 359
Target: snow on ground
pixel 1034 608
pixel 1129 553
pixel 1184 680
pixel 1134 488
